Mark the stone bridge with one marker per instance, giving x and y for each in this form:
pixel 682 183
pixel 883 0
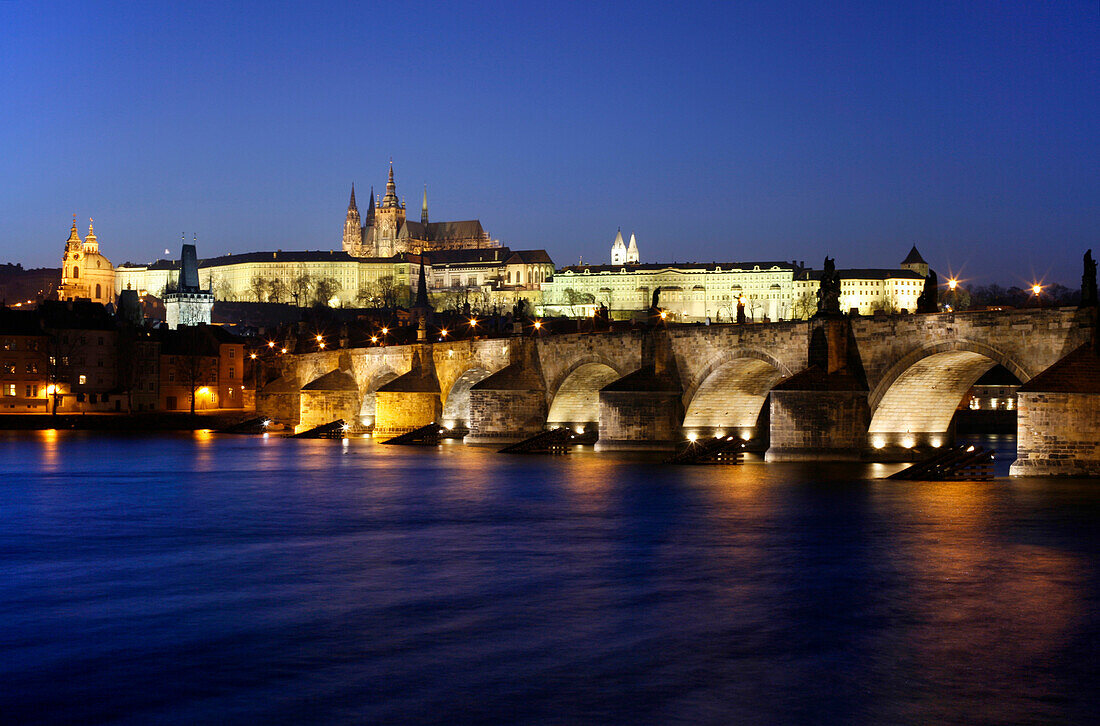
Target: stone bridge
pixel 864 387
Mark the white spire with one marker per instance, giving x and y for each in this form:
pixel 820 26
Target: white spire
pixel 618 249
pixel 632 251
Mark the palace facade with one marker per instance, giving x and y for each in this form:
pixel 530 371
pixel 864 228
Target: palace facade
pixel 694 292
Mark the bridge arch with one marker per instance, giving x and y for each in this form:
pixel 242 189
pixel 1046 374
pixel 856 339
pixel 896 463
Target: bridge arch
pixel 376 380
pixel 575 397
pixel 916 398
pixel 456 405
pixel 728 395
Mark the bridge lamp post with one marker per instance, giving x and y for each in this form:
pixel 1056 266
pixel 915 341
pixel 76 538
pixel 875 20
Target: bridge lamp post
pixel 1036 289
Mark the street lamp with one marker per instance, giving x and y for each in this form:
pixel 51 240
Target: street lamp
pixel 952 284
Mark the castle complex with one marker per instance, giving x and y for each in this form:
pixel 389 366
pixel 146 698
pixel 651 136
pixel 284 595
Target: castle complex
pixel 386 232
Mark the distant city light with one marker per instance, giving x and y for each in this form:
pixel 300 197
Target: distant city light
pixel 320 337
pixel 385 330
pixel 443 332
pixel 271 344
pixel 252 356
pixel 473 322
pixel 538 324
pixel 374 339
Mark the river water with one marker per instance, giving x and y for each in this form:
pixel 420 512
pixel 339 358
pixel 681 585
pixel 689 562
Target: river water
pixel 204 578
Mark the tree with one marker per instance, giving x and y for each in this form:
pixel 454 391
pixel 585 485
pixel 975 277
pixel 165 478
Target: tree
pixel 218 285
pixel 193 364
pixel 324 289
pixel 573 299
pixel 62 347
pixel 957 299
pixel 276 290
pixel 257 286
pixel 887 304
pixel 300 287
pixel 804 307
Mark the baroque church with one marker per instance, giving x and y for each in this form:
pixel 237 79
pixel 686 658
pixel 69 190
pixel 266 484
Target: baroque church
pixel 386 232
pixel 86 274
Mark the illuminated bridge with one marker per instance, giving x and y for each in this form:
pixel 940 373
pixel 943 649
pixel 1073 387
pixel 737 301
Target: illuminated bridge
pixel 864 387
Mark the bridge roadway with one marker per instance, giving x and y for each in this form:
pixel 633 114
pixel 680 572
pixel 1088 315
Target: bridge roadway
pixel 864 387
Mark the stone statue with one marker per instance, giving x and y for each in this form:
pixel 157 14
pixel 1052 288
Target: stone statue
pixel 656 299
pixel 828 292
pixel 928 302
pixel 741 311
pixel 1088 282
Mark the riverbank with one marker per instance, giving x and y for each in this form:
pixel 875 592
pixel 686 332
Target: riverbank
pixel 151 421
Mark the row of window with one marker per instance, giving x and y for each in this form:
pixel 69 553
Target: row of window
pixel 31 390
pixel 9 368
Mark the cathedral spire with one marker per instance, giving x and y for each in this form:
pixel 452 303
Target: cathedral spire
pixel 370 208
pixel 424 208
pixel 351 204
pixel 390 200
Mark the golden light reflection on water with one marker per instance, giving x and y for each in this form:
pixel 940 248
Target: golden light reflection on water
pixel 972 594
pixel 49 448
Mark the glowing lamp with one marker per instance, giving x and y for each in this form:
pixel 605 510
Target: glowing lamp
pixel 271 344
pixel 878 442
pixel 538 324
pixel 952 283
pixel 374 339
pixel 1036 289
pixel 385 330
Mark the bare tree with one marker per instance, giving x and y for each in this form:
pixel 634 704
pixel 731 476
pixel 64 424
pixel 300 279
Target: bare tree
pixel 573 299
pixel 258 286
pixel 804 307
pixel 276 289
pixel 324 289
pixel 300 286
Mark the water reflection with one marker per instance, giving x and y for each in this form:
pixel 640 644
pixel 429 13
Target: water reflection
pixel 185 578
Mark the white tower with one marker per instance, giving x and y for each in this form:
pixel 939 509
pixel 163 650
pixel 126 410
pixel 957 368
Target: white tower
pixel 632 251
pixel 618 250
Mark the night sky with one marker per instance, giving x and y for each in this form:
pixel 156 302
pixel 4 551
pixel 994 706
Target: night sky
pixel 713 131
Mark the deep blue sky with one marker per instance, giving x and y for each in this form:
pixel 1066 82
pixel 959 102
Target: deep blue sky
pixel 714 131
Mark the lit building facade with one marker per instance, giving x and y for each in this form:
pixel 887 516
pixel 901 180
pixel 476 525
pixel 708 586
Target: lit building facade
pixel 85 273
pixel 694 292
pixel 386 232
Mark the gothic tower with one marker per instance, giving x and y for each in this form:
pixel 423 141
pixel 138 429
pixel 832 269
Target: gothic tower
pixel 353 230
pixel 424 208
pixel 632 251
pixel 388 219
pixel 618 249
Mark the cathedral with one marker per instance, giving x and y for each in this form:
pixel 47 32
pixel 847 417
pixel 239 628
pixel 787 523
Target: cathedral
pixel 385 232
pixel 86 274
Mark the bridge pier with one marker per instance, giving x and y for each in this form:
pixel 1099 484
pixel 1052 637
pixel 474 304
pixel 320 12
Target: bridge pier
pixel 411 400
pixel 821 413
pixel 642 410
pixel 509 405
pixel 1058 418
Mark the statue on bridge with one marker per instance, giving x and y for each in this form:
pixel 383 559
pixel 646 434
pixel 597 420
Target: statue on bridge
pixel 928 302
pixel 828 292
pixel 1088 283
